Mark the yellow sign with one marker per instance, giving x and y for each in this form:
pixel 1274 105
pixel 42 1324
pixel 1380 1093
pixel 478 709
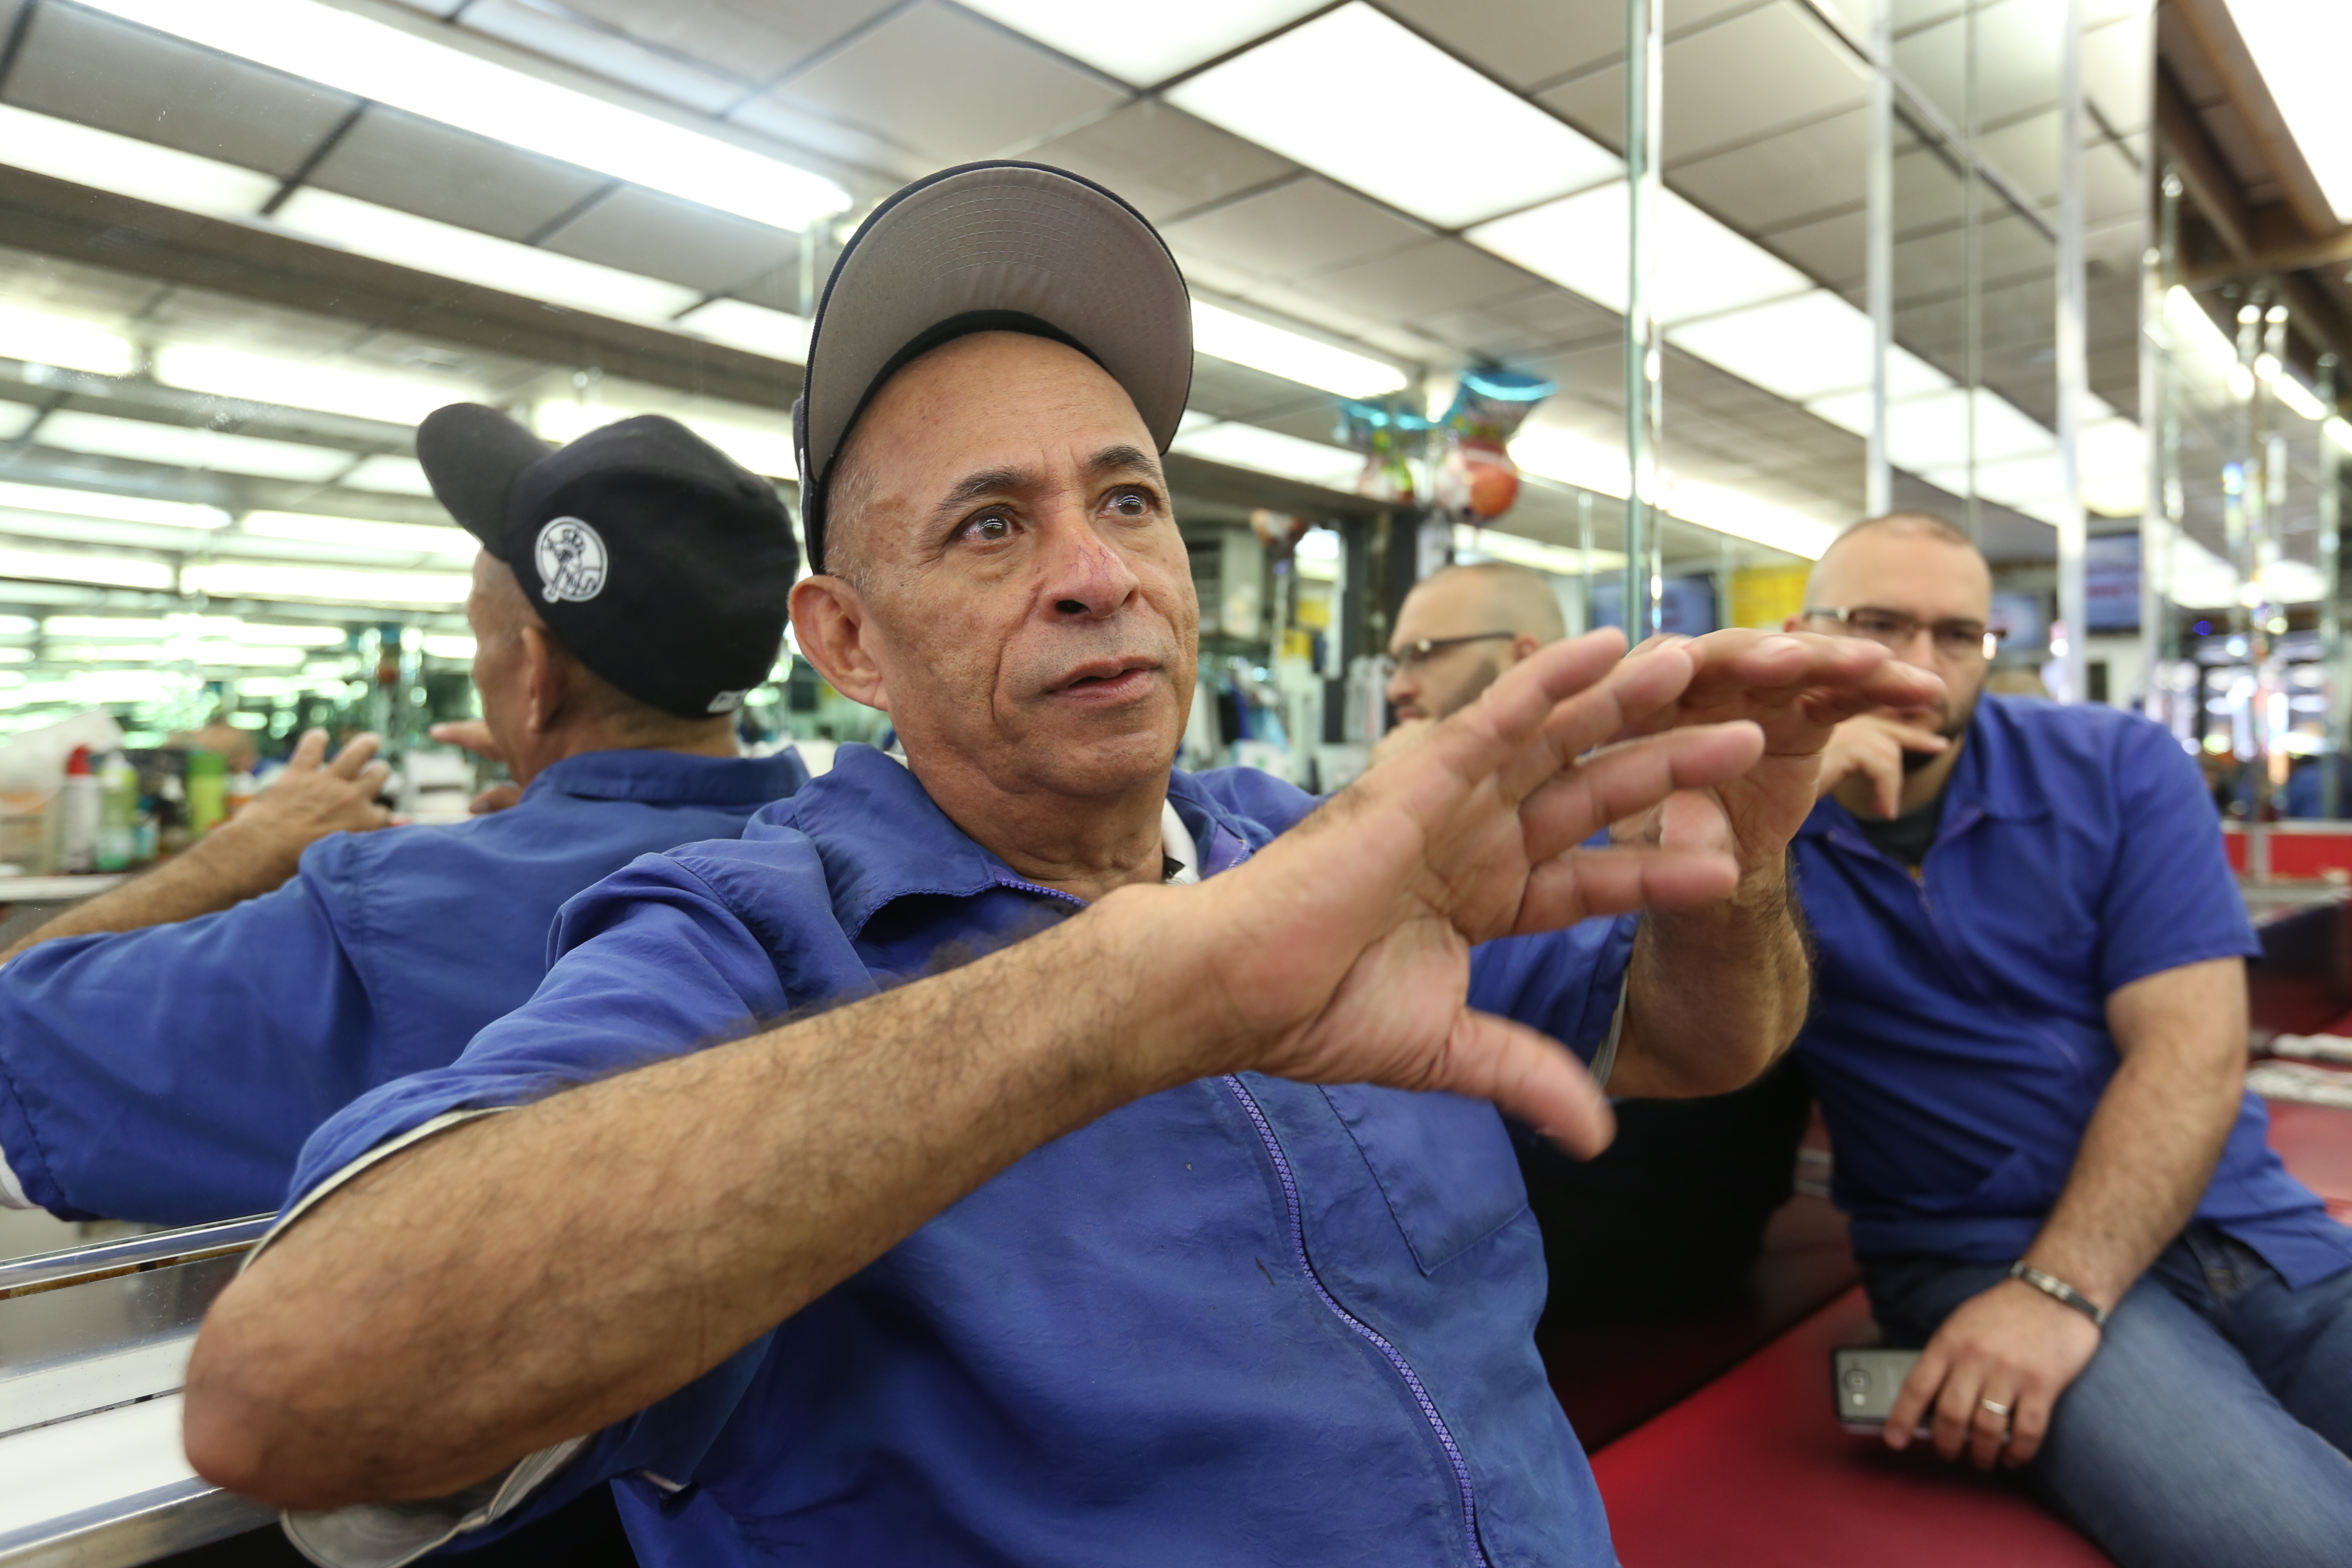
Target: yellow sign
pixel 1766 596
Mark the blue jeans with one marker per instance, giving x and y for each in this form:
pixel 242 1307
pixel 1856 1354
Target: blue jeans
pixel 2212 1428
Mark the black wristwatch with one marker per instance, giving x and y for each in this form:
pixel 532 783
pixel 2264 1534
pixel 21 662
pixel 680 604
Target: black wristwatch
pixel 2058 1289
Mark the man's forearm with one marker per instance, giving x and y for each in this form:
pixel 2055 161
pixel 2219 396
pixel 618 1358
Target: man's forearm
pixel 498 1287
pixel 219 871
pixel 1713 995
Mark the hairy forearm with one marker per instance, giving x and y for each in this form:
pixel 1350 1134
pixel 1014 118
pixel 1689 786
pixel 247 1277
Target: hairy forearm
pixel 1713 995
pixel 540 1274
pixel 214 874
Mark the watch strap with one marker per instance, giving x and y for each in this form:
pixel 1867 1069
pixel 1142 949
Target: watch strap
pixel 2058 1289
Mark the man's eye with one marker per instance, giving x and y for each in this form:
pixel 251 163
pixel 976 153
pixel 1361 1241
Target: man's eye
pixel 989 528
pixel 1131 504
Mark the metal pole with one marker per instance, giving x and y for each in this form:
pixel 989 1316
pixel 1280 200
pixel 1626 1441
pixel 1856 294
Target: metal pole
pixel 2074 363
pixel 1584 543
pixel 1878 482
pixel 1644 76
pixel 2331 596
pixel 2154 395
pixel 1972 266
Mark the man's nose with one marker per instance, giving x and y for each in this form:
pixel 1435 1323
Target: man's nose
pixel 1402 686
pixel 1086 574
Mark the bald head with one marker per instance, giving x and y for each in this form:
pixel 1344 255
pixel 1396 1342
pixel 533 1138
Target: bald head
pixel 1917 566
pixel 1861 558
pixel 1510 610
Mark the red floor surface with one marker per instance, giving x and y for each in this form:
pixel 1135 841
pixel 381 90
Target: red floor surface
pixel 1754 1471
pixel 2316 1142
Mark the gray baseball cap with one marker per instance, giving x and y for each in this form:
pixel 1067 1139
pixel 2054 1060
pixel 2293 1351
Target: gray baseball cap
pixel 999 246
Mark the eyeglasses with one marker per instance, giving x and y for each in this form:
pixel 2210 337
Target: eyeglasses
pixel 1413 655
pixel 1954 639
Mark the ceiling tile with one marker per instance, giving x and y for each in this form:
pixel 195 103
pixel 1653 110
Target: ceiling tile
pixel 1520 42
pixel 1752 75
pixel 421 166
pixel 754 38
pixel 1791 176
pixel 645 232
pixel 80 65
pixel 1832 249
pixel 1413 284
pixel 1162 160
pixel 799 126
pixel 1236 392
pixel 1293 229
pixel 951 86
pixel 578 40
pixel 1514 329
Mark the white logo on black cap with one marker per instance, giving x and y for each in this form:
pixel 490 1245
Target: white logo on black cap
pixel 570 559
pixel 728 701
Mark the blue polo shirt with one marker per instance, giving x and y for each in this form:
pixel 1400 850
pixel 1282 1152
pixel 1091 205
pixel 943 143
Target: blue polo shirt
pixel 1241 1321
pixel 1960 1040
pixel 172 1074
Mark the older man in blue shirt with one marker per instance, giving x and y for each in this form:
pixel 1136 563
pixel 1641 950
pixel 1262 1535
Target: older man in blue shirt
pixel 166 1047
pixel 1006 1157
pixel 2029 1046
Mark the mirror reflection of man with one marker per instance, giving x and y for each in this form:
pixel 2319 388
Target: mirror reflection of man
pixel 1457 630
pixel 166 1046
pixel 1076 1210
pixel 2029 1046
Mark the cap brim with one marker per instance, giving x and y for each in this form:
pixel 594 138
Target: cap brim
pixel 471 456
pixel 998 240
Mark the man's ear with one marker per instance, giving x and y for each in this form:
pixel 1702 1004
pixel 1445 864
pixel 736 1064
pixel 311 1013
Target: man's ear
pixel 547 681
pixel 1523 645
pixel 831 625
pixel 1793 624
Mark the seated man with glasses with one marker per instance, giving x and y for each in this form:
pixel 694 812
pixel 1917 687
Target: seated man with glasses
pixel 1457 631
pixel 2029 1046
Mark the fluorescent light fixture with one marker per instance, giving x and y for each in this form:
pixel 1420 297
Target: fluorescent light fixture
pixel 259 580
pixel 2339 432
pixel 254 634
pixel 768 452
pixel 1272 452
pixel 399 476
pixel 99 687
pixel 130 167
pixel 1349 94
pixel 2299 397
pixel 403 538
pixel 65 502
pixel 1143 42
pixel 39 338
pixel 2299 46
pixel 201 628
pixel 187 652
pixel 754 329
pixel 1803 347
pixel 1931 433
pixel 107 571
pixel 293 383
pixel 407 240
pixel 126 626
pixel 15 418
pixel 563 420
pixel 1557 559
pixel 391 65
pixel 1702 268
pixel 1245 340
pixel 182 447
pixel 1744 516
pixel 15 656
pixel 1572 459
pixel 17 626
pixel 450 647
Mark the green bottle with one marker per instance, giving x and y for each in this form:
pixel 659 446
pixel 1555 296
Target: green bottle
pixel 207 791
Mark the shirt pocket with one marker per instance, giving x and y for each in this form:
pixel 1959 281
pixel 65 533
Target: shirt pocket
pixel 1443 1164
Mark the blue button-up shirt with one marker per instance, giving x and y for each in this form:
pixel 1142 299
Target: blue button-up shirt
pixel 172 1074
pixel 1959 1043
pixel 1241 1321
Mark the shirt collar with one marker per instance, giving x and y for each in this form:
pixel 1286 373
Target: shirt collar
pixel 673 778
pixel 1989 780
pixel 881 837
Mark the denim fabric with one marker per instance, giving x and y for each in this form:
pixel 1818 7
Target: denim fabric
pixel 2212 1428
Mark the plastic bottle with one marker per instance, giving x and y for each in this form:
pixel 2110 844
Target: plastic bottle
pixel 117 813
pixel 207 791
pixel 240 791
pixel 78 814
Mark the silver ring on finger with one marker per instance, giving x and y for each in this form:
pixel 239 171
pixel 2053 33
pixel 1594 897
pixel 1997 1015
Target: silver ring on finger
pixel 1995 1405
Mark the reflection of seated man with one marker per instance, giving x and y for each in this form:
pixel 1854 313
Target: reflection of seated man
pixel 1459 629
pixel 292 959
pixel 1054 1253
pixel 2030 1044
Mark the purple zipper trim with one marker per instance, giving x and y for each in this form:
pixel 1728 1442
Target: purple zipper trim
pixel 1372 1336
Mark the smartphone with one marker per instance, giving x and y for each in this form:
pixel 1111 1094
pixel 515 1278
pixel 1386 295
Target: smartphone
pixel 1864 1381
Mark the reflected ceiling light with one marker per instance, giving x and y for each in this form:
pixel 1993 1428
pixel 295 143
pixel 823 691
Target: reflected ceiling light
pixel 1334 93
pixel 182 447
pixel 1931 432
pixel 106 626
pixel 373 59
pixel 1272 452
pixel 1245 340
pixel 400 476
pixel 563 420
pixel 2194 332
pixel 294 384
pixel 98 503
pixel 1702 268
pixel 407 240
pixel 768 452
pixel 1143 42
pixel 2339 432
pixel 1572 458
pixel 130 167
pixel 1803 347
pixel 1744 516
pixel 2300 46
pixel 15 656
pixel 257 580
pixel 404 538
pixel 1557 559
pixel 99 687
pixel 755 329
pixel 107 571
pixel 17 626
pixel 185 652
pixel 2298 398
pixel 15 418
pixel 39 338
pixel 448 647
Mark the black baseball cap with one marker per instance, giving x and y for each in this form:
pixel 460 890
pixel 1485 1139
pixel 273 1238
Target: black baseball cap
pixel 661 563
pixel 997 247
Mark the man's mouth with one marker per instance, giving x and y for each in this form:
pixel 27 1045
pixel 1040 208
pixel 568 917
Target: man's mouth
pixel 1107 677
